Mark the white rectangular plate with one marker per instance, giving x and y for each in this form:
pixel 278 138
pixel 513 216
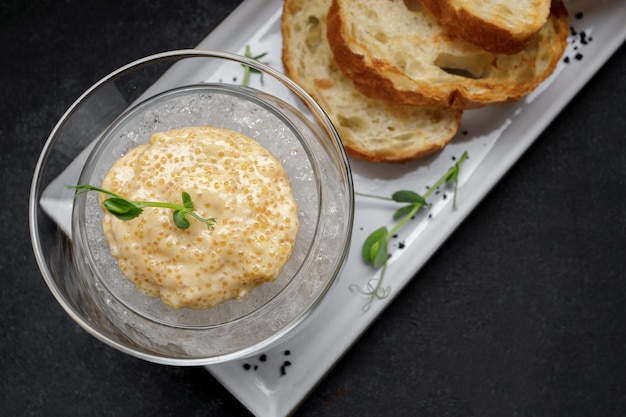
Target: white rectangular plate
pixel 273 384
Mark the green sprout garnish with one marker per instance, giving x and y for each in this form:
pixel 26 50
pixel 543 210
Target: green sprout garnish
pixel 375 248
pixel 125 209
pixel 247 70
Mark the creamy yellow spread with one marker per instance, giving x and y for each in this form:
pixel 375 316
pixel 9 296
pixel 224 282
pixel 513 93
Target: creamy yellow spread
pixel 229 177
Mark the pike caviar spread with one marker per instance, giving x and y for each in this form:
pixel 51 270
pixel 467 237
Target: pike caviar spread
pixel 229 177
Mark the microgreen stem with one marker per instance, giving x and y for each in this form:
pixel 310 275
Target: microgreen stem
pixel 125 209
pixel 375 247
pixel 404 220
pixel 247 70
pixel 380 197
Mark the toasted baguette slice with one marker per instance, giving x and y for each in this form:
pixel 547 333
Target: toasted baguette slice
pixel 370 129
pixel 499 26
pixel 406 56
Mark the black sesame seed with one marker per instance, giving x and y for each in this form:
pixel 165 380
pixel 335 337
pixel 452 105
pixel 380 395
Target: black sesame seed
pixel 263 357
pixel 579 56
pixel 283 372
pixel 286 363
pixel 465 132
pixel 583 38
pixel 401 245
pixel 287 353
pixel 566 60
pixel 395 236
pixel 246 366
pixel 256 367
pixel 579 15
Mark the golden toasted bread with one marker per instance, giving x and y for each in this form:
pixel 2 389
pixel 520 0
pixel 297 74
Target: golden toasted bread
pixel 404 55
pixel 499 26
pixel 370 129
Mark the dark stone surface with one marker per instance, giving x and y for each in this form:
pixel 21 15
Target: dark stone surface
pixel 520 313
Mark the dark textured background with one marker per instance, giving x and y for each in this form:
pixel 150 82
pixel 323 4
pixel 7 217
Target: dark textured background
pixel 520 313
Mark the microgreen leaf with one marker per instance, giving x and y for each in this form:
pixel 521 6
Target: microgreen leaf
pixel 122 208
pixel 187 200
pixel 452 176
pixel 371 247
pixel 382 253
pixel 180 220
pixel 403 211
pixel 406 196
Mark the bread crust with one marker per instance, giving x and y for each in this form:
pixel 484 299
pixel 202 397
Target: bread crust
pixel 370 129
pixel 374 73
pixel 494 37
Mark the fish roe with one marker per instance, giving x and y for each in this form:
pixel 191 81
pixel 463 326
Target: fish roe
pixel 197 267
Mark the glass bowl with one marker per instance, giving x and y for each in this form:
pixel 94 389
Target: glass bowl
pixel 167 91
